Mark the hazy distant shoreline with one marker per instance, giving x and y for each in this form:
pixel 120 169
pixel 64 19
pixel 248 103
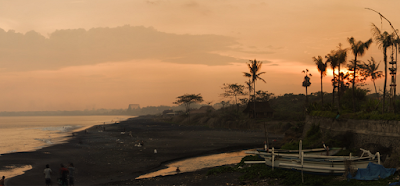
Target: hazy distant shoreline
pixel 65 113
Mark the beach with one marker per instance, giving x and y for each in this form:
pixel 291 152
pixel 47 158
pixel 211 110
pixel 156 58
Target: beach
pixel 109 154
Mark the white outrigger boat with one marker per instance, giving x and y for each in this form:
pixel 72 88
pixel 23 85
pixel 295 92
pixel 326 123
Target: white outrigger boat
pixel 316 151
pixel 315 163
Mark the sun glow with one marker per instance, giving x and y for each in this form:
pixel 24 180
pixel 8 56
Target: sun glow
pixel 329 71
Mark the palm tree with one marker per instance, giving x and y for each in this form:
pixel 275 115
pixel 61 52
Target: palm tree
pixel 396 43
pixel 341 55
pixel 384 40
pixel 322 70
pixel 250 87
pixel 333 60
pixel 371 70
pixel 254 67
pixel 306 82
pixel 358 48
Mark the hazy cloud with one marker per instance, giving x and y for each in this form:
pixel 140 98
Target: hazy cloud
pixel 73 47
pixel 254 50
pixel 191 4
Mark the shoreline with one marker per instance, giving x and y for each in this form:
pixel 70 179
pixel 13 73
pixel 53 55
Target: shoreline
pixel 63 137
pixel 110 156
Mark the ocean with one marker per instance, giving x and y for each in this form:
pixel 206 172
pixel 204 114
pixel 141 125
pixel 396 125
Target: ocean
pixel 29 133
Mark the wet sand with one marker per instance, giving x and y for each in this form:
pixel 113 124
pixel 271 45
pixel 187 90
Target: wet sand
pixel 112 158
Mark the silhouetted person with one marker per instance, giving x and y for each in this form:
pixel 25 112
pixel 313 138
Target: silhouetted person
pixel 71 175
pixel 2 181
pixel 47 174
pixel 177 169
pixel 326 148
pixel 63 175
pixel 337 116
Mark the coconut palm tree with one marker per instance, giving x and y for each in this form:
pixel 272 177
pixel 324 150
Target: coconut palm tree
pixel 254 67
pixel 322 70
pixel 341 55
pixel 250 87
pixel 370 69
pixel 384 40
pixel 396 43
pixel 333 60
pixel 358 48
pixel 306 82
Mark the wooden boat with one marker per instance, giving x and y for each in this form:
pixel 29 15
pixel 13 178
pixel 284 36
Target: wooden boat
pixel 315 163
pixel 316 151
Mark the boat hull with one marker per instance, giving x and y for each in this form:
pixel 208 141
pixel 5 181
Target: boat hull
pixel 321 166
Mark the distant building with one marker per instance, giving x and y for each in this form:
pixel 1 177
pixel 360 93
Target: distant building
pixel 262 110
pixel 133 106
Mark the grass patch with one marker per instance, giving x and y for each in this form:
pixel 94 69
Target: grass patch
pixel 313 139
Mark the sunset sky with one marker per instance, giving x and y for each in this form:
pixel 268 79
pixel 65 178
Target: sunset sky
pixel 85 54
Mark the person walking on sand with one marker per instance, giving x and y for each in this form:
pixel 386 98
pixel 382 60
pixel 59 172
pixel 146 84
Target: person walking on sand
pixel 63 176
pixel 2 181
pixel 47 175
pixel 71 170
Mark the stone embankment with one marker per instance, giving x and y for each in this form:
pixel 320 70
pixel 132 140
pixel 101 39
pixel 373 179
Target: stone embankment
pixel 360 132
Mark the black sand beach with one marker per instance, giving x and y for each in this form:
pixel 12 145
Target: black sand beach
pixel 111 158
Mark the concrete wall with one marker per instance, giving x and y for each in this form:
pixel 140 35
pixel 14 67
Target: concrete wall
pixel 384 133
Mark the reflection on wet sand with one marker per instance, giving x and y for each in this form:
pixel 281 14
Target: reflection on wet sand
pixel 12 171
pixel 193 164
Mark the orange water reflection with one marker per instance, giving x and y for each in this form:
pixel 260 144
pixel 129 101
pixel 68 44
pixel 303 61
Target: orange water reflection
pixel 193 164
pixel 12 171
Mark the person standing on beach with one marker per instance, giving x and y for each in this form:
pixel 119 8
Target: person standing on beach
pixel 63 175
pixel 2 181
pixel 47 174
pixel 71 170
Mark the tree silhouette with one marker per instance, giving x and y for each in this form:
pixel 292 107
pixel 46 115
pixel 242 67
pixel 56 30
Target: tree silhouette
pixel 341 60
pixel 233 90
pixel 358 48
pixel 322 70
pixel 333 60
pixel 254 75
pixel 383 40
pixel 250 87
pixel 370 69
pixel 188 99
pixel 306 82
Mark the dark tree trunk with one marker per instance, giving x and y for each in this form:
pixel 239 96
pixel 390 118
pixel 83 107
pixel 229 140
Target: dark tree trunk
pixel 338 87
pixel 306 97
pixel 354 81
pixel 384 84
pixel 322 94
pixel 254 99
pixel 333 91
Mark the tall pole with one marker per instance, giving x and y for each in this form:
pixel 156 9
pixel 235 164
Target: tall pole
pixel 393 70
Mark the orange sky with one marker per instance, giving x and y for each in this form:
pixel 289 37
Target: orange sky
pixel 75 55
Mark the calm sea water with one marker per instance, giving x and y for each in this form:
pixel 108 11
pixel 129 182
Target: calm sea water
pixel 28 133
